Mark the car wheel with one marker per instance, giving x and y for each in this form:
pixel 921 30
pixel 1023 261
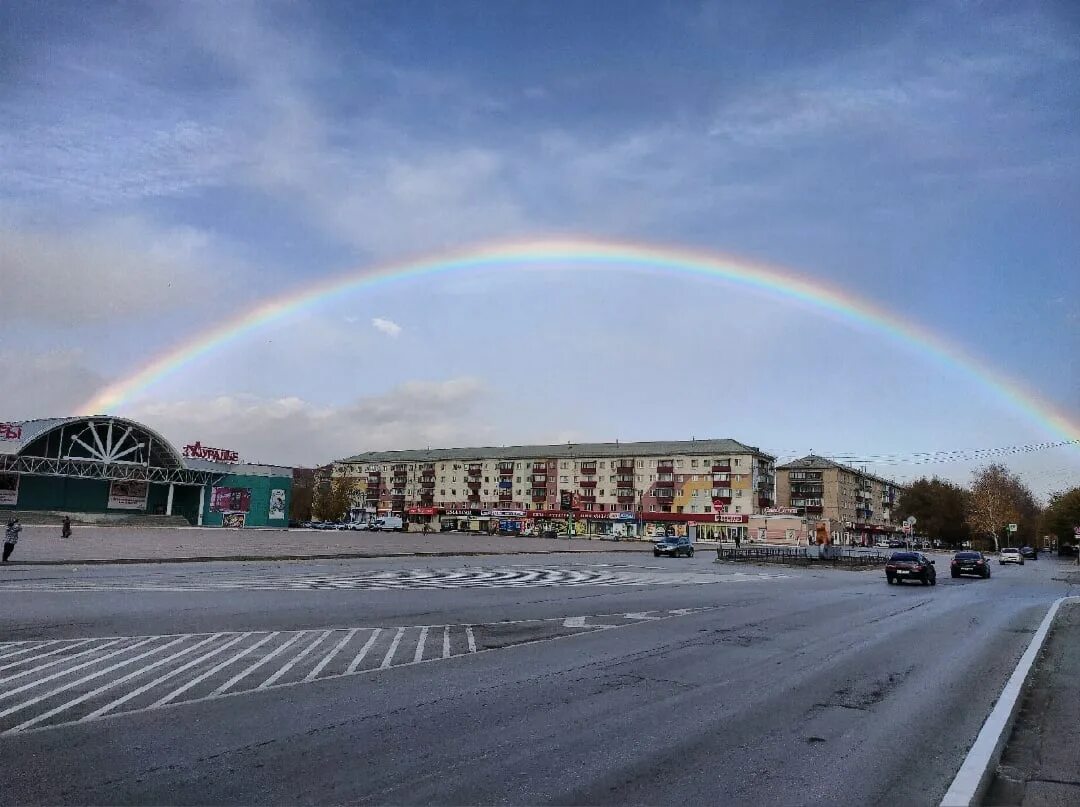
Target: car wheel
pixel 690 554
pixel 656 554
pixel 891 580
pixel 926 581
pixel 933 580
pixel 1021 563
pixel 955 575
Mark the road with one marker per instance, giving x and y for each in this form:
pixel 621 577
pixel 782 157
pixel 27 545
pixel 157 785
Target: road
pixel 519 679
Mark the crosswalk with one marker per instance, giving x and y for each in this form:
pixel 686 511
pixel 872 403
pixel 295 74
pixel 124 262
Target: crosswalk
pixel 55 682
pixel 401 579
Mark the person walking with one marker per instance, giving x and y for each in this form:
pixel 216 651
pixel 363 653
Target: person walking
pixel 11 537
pixel 65 529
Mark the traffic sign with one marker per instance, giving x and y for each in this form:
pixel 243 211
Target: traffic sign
pixel 910 520
pixel 1076 530
pixel 907 529
pixel 1012 528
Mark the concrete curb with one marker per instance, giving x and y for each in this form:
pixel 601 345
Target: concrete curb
pixel 977 770
pixel 334 556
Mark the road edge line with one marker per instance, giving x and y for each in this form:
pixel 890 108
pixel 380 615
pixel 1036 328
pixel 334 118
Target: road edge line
pixel 972 780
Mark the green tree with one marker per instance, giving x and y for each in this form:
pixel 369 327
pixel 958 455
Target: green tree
pixel 333 501
pixel 939 508
pixel 998 498
pixel 1061 516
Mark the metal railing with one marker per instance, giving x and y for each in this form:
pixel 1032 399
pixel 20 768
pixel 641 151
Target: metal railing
pixel 801 556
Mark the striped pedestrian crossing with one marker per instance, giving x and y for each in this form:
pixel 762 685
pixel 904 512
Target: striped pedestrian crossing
pixel 49 683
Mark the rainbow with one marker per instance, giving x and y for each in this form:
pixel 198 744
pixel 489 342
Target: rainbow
pixel 597 255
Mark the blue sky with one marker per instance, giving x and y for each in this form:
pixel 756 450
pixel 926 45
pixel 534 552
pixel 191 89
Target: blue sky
pixel 166 165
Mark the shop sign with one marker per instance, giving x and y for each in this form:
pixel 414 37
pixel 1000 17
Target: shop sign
pixel 623 516
pixel 128 495
pixel 731 518
pixel 197 451
pixel 422 511
pixel 230 500
pixel 781 511
pixel 10 431
pixel 9 488
pixel 508 513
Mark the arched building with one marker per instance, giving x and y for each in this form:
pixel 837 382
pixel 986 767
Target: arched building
pixel 105 464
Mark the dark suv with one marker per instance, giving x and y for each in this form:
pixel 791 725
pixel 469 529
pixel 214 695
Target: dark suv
pixel 910 566
pixel 969 562
pixel 673 547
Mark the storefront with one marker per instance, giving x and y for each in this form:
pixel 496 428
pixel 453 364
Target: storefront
pixel 113 468
pixel 422 519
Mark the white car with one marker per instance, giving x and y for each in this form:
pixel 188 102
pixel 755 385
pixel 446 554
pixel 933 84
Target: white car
pixel 1010 555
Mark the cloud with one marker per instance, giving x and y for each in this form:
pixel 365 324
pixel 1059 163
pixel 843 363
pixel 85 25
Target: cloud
pixel 44 384
pixel 97 272
pixel 389 327
pixel 293 431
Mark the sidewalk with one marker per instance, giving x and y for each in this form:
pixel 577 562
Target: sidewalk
pixel 1040 766
pixel 43 545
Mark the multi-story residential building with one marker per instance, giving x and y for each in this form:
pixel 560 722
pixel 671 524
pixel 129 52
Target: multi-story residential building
pixel 857 504
pixel 614 488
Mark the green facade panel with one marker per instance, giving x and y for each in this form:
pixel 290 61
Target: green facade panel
pixel 261 487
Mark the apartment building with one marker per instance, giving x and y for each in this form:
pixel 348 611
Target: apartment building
pixel 613 488
pixel 857 504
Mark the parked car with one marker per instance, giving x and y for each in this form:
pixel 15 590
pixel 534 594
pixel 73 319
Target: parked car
pixel 896 543
pixel 1010 555
pixel 1029 552
pixel 910 566
pixel 388 523
pixel 673 547
pixel 968 562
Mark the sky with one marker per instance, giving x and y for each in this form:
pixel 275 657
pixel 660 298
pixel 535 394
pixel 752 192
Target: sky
pixel 164 167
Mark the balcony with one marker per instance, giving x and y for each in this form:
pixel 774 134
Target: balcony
pixel 474 483
pixel 665 483
pixel 625 499
pixel 625 468
pixel 473 498
pixel 664 493
pixel 427 483
pixel 814 508
pixel 665 467
pixel 721 468
pixel 539 479
pixel 539 468
pixel 506 497
pixel 721 482
pixel 506 471
pixel 587 483
pixel 764 502
pixel 537 499
pixel 586 497
pixel 587 469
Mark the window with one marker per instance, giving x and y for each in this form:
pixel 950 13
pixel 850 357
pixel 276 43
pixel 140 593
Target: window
pixel 453 493
pixel 442 492
pixel 738 493
pixel 693 508
pixel 693 464
pixel 487 478
pixel 563 479
pixel 519 479
pixel 564 465
pixel 736 462
pixel 678 509
pixel 640 463
pixel 601 464
pixel 453 479
pixel 601 491
pixel 738 509
pixel 611 479
pixel 652 508
pixel 442 478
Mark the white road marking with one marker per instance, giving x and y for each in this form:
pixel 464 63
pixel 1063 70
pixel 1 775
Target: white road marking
pixel 364 650
pixel 642 615
pixel 472 639
pixel 76 668
pixel 419 654
pixel 264 660
pixel 303 654
pixel 167 676
pixel 389 657
pixel 55 662
pixel 446 642
pixel 213 670
pixel 311 676
pixel 19 707
pixel 574 622
pixel 972 779
pixel 39 655
pixel 121 680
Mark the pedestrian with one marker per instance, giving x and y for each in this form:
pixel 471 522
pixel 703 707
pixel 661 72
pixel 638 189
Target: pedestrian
pixel 11 537
pixel 65 529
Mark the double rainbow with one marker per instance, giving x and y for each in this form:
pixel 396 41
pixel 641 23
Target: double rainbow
pixel 598 255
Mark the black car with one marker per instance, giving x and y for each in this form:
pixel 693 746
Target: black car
pixel 968 562
pixel 910 566
pixel 1029 552
pixel 673 547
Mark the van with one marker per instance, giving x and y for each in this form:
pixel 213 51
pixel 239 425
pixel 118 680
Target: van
pixel 388 523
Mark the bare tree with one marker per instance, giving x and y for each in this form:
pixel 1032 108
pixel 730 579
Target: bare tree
pixel 996 500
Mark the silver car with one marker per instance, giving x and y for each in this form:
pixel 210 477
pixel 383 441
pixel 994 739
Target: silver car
pixel 1010 555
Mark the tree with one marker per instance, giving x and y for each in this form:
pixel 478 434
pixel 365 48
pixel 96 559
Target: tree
pixel 300 504
pixel 1062 515
pixel 333 500
pixel 998 498
pixel 939 508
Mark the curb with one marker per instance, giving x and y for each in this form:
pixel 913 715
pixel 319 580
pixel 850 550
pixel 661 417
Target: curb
pixel 333 556
pixel 977 770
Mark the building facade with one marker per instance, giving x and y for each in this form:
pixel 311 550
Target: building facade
pixel 857 505
pixel 110 467
pixel 612 488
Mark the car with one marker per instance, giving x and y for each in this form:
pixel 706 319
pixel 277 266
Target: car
pixel 1029 552
pixel 970 562
pixel 910 566
pixel 673 547
pixel 1010 554
pixel 896 543
pixel 881 543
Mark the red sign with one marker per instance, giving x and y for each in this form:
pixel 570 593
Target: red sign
pixel 422 511
pixel 10 431
pixel 224 500
pixel 198 451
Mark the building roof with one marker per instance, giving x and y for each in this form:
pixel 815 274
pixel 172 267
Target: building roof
pixel 239 468
pixel 31 430
pixel 812 462
pixel 561 451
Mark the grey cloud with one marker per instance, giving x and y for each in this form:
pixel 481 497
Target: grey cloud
pixel 44 384
pixel 294 431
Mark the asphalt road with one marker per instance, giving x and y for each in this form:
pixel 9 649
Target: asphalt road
pixel 521 679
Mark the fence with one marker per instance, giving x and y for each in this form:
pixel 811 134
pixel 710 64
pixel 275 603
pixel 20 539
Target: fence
pixel 802 556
